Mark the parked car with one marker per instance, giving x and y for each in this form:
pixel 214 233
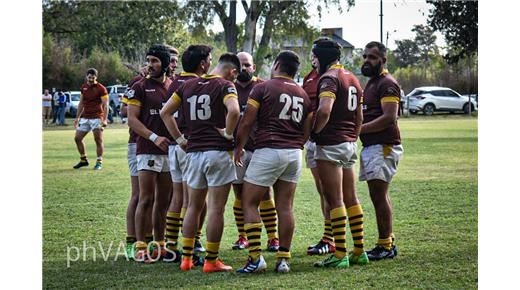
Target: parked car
pixel 434 99
pixel 71 109
pixel 115 95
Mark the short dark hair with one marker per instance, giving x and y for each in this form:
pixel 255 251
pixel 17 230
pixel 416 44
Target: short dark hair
pixel 289 62
pixel 381 47
pixel 230 58
pixel 92 71
pixel 193 55
pixel 172 50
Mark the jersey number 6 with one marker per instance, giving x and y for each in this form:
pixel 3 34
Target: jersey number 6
pixel 297 108
pixel 352 98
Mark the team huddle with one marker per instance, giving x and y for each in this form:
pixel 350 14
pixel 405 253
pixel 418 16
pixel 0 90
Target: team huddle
pixel 196 134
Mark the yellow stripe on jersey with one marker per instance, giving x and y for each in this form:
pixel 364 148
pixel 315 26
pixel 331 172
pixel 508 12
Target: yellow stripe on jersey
pixel 211 76
pixel 391 99
pixel 253 103
pixel 384 72
pixel 186 74
pixel 336 66
pixel 283 77
pixel 124 101
pixel 361 100
pixel 104 97
pixel 134 102
pixel 176 99
pixel 327 94
pixel 226 97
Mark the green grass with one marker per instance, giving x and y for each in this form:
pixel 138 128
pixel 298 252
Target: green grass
pixel 435 210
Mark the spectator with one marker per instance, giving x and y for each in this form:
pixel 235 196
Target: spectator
pixel 46 106
pixel 55 107
pixel 62 101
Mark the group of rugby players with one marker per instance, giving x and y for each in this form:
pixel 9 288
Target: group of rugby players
pixel 194 134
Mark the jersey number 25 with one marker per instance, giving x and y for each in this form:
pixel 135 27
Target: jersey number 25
pixel 297 108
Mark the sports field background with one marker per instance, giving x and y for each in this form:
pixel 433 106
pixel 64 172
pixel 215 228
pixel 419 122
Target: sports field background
pixel 435 210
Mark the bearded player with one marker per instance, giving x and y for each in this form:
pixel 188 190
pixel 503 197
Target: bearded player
pixel 244 84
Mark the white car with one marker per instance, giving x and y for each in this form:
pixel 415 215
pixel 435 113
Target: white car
pixel 72 103
pixel 433 99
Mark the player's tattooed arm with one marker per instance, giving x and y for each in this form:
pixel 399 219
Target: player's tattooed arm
pixel 104 104
pixel 323 113
pixel 389 117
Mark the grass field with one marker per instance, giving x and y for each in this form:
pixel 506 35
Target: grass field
pixel 435 210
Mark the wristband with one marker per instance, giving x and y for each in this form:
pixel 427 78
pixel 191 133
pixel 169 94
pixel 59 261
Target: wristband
pixel 181 140
pixel 229 137
pixel 153 137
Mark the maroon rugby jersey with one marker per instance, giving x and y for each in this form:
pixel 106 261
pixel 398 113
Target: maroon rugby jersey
pixel 150 95
pixel 243 96
pixel 133 135
pixel 310 86
pixel 381 89
pixel 342 85
pixel 92 100
pixel 176 83
pixel 204 110
pixel 282 107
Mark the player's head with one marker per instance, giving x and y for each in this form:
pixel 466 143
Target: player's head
pixel 197 59
pixel 91 75
pixel 228 66
pixel 158 60
pixel 374 59
pixel 287 63
pixel 174 58
pixel 46 91
pixel 327 52
pixel 247 67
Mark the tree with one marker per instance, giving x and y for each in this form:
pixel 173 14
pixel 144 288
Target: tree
pixel 458 22
pixel 406 53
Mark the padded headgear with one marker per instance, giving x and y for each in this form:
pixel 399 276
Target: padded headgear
pixel 161 52
pixel 327 51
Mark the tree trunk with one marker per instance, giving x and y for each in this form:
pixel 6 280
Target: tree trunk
pixel 230 28
pixel 252 15
pixel 263 48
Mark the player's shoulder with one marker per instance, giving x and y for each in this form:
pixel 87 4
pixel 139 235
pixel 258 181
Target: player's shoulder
pixel 258 80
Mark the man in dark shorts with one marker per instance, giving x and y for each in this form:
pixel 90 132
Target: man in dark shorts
pixel 336 129
pixel 145 100
pixel 195 62
pixel 281 109
pixel 92 116
pixel 244 84
pixel 211 110
pixel 382 149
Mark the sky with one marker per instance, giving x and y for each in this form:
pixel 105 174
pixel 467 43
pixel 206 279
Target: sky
pixel 361 23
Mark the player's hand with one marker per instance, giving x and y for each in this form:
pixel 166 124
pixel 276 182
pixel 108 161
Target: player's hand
pixel 76 123
pixel 162 143
pixel 223 134
pixel 237 157
pixel 104 123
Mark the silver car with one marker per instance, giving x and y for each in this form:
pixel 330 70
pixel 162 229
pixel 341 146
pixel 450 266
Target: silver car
pixel 437 99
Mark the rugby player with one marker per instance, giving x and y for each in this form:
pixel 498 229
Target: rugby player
pixel 326 243
pixel 145 100
pixel 281 109
pixel 91 116
pixel 244 84
pixel 336 130
pixel 134 180
pixel 210 169
pixel 381 140
pixel 196 61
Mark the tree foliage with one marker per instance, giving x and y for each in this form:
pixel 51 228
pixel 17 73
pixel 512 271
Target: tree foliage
pixel 458 22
